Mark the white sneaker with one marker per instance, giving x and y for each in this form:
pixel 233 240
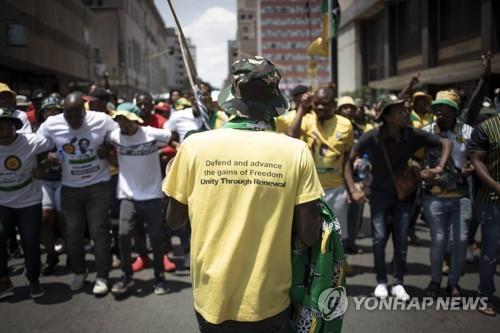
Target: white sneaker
pixel 381 291
pixel 100 287
pixel 400 293
pixel 469 257
pixel 78 282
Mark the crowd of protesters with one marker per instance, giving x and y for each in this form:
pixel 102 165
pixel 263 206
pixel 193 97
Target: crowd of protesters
pixel 84 173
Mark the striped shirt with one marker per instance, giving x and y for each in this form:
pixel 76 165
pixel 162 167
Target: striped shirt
pixel 486 137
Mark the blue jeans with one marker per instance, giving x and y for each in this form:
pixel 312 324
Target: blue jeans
pixel 29 222
pixel 489 217
pixel 398 214
pixel 442 214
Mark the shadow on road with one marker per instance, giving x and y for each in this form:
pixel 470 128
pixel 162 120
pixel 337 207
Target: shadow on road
pixel 143 288
pixel 55 293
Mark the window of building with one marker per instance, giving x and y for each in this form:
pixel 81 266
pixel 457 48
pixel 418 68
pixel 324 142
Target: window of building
pixel 408 27
pixel 459 20
pixel 373 44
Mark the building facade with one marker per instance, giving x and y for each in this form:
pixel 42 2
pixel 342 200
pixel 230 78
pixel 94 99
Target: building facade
pixel 246 35
pixel 44 46
pixel 79 41
pixel 178 78
pixel 382 43
pixel 285 30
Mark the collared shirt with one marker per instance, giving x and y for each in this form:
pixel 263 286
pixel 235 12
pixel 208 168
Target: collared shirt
pixel 383 192
pixel 486 138
pixel 329 142
pixel 451 183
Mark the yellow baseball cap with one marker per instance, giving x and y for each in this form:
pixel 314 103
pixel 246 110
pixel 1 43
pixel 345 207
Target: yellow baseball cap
pixel 5 88
pixel 421 94
pixel 129 115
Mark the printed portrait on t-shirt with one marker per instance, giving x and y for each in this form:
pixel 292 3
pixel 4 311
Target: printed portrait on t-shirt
pixel 84 145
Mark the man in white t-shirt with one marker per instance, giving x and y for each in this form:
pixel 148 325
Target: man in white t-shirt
pixel 20 198
pixel 8 102
pixel 183 121
pixel 86 192
pixel 139 192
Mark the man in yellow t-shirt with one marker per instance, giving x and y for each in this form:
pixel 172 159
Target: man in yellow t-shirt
pixel 329 136
pixel 241 187
pixel 300 95
pixel 421 113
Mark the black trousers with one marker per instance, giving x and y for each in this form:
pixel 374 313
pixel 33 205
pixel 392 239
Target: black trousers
pixel 275 324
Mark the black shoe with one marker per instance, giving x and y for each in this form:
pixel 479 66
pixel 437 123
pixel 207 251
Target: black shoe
pixel 50 266
pixel 433 289
pixel 160 286
pixel 6 288
pixel 352 249
pixel 126 282
pixel 17 253
pixel 453 291
pixel 36 290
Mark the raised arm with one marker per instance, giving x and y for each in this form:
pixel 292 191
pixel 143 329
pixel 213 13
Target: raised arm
pixel 406 90
pixel 474 106
pixel 295 129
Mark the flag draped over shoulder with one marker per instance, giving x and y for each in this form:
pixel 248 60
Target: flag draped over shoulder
pixel 329 26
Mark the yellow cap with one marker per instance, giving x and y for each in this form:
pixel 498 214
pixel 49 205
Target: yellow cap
pixel 451 95
pixel 345 100
pixel 129 115
pixel 5 88
pixel 421 94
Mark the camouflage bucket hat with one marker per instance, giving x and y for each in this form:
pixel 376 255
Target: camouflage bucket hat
pixel 7 114
pixel 255 85
pixel 385 102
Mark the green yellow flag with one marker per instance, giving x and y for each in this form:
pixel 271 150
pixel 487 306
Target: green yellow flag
pixel 329 27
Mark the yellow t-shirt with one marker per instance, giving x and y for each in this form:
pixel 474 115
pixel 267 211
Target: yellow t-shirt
pixel 241 188
pixel 421 122
pixel 284 121
pixel 328 142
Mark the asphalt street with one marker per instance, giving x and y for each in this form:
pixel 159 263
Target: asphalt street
pixel 141 310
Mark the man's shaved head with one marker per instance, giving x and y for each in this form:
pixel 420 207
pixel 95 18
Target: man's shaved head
pixel 74 111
